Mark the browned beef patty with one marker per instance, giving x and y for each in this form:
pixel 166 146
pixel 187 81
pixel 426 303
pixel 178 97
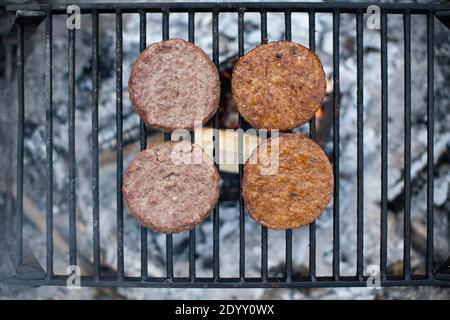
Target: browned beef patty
pixel 295 192
pixel 172 84
pixel 278 85
pixel 171 186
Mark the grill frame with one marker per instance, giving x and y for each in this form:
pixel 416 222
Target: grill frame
pixel 25 12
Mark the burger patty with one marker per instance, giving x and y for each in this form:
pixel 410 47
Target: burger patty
pixel 171 187
pixel 278 85
pixel 293 192
pixel 173 84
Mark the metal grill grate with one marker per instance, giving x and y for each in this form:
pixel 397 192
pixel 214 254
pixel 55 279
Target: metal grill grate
pixel 288 280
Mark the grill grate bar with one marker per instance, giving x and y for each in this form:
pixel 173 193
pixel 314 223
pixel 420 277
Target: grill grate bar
pixel 20 142
pixel 312 135
pixel 360 146
pixel 169 237
pixel 430 142
pixel 72 160
pixel 287 26
pixel 288 37
pixel 407 148
pixel 191 36
pixel 191 26
pixel 384 146
pixel 263 26
pixel 344 7
pixel 264 240
pixel 95 152
pixel 142 46
pixel 216 218
pixel 160 282
pixel 264 253
pixel 336 23
pixel 169 257
pixel 165 25
pixel 192 255
pixel 49 143
pixel 119 145
pixel 241 161
pixel 289 255
pixel 143 146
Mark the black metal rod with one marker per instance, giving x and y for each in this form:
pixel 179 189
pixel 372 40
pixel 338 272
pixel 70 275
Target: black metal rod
pixel 192 271
pixel 430 142
pixel 143 146
pixel 216 220
pixel 119 146
pixel 241 50
pixel 264 240
pixel 169 237
pixel 160 282
pixel 191 26
pixel 169 257
pixel 336 17
pixel 165 25
pixel 95 152
pixel 344 7
pixel 49 142
pixel 384 146
pixel 288 245
pixel 264 26
pixel 72 158
pixel 287 26
pixel 312 135
pixel 312 46
pixel 264 254
pixel 360 146
pixel 142 46
pixel 20 136
pixel 407 148
pixel 288 254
